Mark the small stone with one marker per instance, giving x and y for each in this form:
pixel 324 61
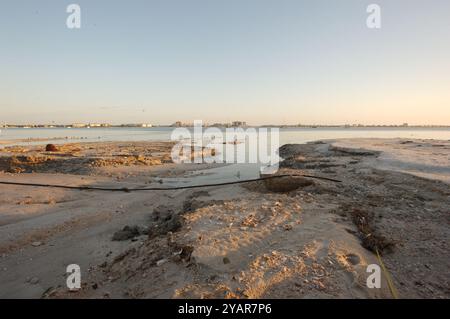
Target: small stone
pixel 161 262
pixel 320 285
pixel 34 280
pixel 36 243
pixel 51 148
pixel 226 260
pixel 353 259
pixel 128 232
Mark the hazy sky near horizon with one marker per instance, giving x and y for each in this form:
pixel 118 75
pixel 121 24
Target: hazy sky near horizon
pixel 261 61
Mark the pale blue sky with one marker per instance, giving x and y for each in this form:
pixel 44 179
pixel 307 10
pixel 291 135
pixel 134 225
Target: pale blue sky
pixel 260 61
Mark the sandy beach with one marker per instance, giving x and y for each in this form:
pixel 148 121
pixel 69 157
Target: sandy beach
pixel 234 241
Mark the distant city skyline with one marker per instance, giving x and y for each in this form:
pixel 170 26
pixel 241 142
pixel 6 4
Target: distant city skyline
pixel 205 124
pixel 260 61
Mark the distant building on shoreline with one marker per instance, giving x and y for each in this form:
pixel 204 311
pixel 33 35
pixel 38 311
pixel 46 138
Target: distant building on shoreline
pixel 136 125
pixel 177 124
pixel 220 125
pixel 99 125
pixel 239 124
pixel 232 124
pixel 78 125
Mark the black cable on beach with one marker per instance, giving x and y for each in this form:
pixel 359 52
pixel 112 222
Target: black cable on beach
pixel 125 189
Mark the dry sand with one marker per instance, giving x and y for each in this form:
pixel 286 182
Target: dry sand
pixel 227 242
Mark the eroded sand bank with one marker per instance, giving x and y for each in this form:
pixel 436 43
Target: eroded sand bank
pixel 237 241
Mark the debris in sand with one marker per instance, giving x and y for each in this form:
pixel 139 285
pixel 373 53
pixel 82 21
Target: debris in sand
pixel 122 256
pixel 129 232
pixel 50 291
pixel 19 164
pixel 162 213
pixel 166 220
pixel 124 161
pixel 171 225
pixel 186 253
pixel 200 194
pixel 84 157
pixel 250 221
pixel 370 238
pixel 192 204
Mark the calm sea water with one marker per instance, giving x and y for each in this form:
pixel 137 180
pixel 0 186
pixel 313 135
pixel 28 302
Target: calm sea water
pixel 287 135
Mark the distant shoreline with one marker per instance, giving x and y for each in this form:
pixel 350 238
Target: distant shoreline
pixel 288 134
pixel 43 126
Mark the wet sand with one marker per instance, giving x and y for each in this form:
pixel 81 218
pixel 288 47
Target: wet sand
pixel 237 241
